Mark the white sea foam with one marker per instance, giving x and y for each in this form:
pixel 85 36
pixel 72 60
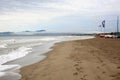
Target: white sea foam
pixel 9 76
pixel 9 68
pixel 20 52
pixel 7 71
pixel 3 45
pixel 34 40
pixel 10 72
pixel 2 74
pixel 70 38
pixel 48 39
pixel 34 44
pixel 7 41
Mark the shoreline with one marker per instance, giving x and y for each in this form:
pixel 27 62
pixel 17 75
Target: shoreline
pixel 35 56
pixel 41 50
pixel 79 59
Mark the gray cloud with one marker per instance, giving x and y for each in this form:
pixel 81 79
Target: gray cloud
pixel 18 5
pixel 29 12
pixel 101 6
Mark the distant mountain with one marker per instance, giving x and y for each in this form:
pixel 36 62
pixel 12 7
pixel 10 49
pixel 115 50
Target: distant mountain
pixel 6 33
pixel 40 30
pixel 39 33
pixel 35 31
pixel 27 32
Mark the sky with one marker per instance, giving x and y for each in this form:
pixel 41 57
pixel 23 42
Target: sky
pixel 58 15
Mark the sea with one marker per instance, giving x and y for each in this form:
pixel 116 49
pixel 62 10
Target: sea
pixel 19 51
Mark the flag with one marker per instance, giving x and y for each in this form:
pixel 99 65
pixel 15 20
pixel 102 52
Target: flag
pixel 103 23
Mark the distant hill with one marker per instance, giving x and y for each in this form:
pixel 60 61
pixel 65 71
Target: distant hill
pixel 27 32
pixel 35 31
pixel 40 30
pixel 6 33
pixel 40 33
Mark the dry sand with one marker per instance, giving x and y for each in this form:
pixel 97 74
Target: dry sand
pixel 93 59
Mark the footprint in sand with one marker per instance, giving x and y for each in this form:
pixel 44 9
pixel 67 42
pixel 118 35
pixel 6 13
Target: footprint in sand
pixel 112 75
pixel 116 76
pixel 118 73
pixel 79 69
pixel 118 67
pixel 84 77
pixel 114 57
pixel 76 65
pixel 75 73
pixel 103 64
pixel 103 72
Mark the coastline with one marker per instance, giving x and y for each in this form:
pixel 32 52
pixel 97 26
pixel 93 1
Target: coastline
pixel 91 59
pixel 13 62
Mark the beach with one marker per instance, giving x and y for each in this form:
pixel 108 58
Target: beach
pixel 20 51
pixel 90 59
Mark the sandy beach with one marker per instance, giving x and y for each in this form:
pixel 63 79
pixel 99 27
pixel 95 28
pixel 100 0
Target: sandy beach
pixel 92 59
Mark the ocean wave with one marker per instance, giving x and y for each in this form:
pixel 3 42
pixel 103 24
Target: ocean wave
pixel 3 46
pixel 48 39
pixel 20 52
pixel 9 68
pixel 10 72
pixel 9 76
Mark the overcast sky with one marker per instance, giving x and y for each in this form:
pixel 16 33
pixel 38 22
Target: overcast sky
pixel 58 15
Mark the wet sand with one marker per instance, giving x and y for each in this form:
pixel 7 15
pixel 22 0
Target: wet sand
pixel 92 59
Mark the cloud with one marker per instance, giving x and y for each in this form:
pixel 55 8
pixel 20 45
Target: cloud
pixel 28 12
pixel 60 5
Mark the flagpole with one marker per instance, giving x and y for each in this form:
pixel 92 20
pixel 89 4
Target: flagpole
pixel 104 30
pixel 117 24
pixel 100 27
